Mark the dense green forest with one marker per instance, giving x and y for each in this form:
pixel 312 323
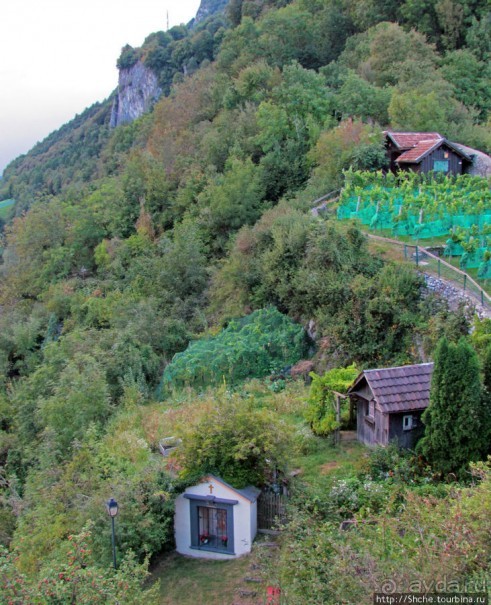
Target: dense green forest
pixel 192 225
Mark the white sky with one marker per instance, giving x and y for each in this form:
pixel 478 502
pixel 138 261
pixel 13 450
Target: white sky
pixel 58 57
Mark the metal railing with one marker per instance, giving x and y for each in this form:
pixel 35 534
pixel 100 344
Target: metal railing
pixel 429 262
pixel 320 203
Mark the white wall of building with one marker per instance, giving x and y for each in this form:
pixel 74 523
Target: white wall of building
pixel 244 519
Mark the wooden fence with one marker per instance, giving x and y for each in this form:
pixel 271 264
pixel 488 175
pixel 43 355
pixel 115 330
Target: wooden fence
pixel 271 508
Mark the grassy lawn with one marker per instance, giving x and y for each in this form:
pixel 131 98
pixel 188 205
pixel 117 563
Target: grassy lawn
pixel 188 581
pixel 328 462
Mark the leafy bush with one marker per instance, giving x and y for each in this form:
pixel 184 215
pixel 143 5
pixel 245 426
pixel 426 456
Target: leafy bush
pixel 254 346
pixel 233 439
pixel 431 537
pixel 393 462
pixel 76 578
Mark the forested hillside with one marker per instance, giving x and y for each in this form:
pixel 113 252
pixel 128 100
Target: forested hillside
pixel 126 244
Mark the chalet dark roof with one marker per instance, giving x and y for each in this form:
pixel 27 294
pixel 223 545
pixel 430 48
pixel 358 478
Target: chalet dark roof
pixel 417 153
pixel 408 140
pixel 416 145
pixel 401 389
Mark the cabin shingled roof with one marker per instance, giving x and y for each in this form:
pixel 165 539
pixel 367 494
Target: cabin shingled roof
pixel 416 145
pixel 417 153
pixel 401 389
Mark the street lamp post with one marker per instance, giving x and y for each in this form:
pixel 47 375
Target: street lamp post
pixel 112 511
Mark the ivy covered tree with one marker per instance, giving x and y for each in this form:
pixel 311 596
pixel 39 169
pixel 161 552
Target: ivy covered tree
pixel 321 411
pixel 456 421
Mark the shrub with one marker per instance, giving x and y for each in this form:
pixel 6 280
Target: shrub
pixel 233 439
pixel 254 346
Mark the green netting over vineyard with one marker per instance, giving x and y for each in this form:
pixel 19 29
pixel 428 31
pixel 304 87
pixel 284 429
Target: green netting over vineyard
pixel 254 346
pixel 419 206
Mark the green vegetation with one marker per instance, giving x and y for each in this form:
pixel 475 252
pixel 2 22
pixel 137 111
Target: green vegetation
pixel 458 420
pixel 254 346
pixel 5 210
pixel 236 441
pixel 322 410
pixel 420 206
pixel 76 578
pixel 126 245
pixel 401 537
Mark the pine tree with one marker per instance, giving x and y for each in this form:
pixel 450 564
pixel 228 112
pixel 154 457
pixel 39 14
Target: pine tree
pixel 456 421
pixel 486 397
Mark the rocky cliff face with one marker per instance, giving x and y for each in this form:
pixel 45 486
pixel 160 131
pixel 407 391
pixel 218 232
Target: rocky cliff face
pixel 209 7
pixel 138 90
pixel 138 87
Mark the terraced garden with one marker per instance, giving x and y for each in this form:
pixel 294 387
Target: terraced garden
pixel 454 212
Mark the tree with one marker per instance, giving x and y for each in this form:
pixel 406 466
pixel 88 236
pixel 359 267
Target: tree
pixel 232 200
pixel 421 110
pixel 457 419
pixel 76 578
pixel 359 99
pixel 470 79
pixel 80 398
pixel 235 440
pixel 129 56
pixel 337 150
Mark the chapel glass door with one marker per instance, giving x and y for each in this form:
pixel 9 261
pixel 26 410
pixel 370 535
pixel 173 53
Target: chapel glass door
pixel 212 527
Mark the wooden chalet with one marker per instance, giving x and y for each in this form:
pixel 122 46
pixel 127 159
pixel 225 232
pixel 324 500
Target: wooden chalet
pixel 389 403
pixel 424 152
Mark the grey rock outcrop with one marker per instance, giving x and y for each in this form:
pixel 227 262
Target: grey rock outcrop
pixel 208 8
pixel 481 162
pixel 455 296
pixel 138 90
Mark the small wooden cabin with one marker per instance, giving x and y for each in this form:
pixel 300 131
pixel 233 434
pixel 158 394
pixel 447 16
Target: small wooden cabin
pixel 424 152
pixel 214 520
pixel 389 403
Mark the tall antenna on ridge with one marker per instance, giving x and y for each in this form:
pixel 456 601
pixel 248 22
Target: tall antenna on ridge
pixel 167 20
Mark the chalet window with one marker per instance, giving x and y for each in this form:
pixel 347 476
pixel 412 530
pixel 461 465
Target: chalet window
pixel 407 422
pixel 440 165
pixel 212 525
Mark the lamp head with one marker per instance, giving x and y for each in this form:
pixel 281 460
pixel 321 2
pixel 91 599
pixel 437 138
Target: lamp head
pixel 112 507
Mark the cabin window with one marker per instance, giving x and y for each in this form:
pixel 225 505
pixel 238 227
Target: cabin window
pixel 371 408
pixel 212 526
pixel 407 422
pixel 440 165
